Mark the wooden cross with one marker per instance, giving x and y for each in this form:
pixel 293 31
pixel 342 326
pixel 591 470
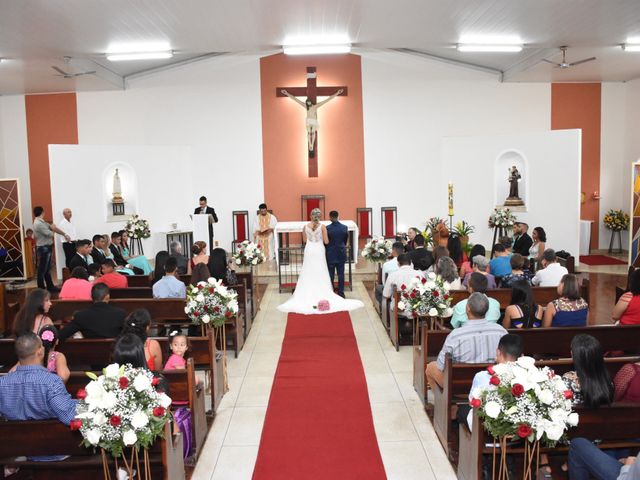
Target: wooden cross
pixel 312 92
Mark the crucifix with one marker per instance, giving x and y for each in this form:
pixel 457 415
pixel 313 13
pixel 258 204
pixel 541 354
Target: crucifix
pixel 311 105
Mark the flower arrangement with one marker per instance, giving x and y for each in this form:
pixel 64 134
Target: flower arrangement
pixel 432 224
pixel 463 229
pixel 616 220
pixel 377 250
pixel 426 297
pixel 322 306
pixel 137 227
pixel 211 302
pixel 248 254
pixel 502 218
pixel 120 409
pixel 525 401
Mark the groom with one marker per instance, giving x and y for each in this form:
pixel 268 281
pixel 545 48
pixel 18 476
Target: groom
pixel 337 249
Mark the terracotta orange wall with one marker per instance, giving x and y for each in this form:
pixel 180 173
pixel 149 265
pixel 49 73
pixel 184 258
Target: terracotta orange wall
pixel 51 119
pixel 578 105
pixel 340 136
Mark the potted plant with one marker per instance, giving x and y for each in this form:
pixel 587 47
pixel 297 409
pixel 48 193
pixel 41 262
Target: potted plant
pixel 463 230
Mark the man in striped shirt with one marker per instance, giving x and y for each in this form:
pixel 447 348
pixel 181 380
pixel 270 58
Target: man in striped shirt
pixel 475 341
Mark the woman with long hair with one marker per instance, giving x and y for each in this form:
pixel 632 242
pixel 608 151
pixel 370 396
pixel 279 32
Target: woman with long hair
pixel 138 323
pixel 454 245
pixel 54 361
pixel 467 265
pixel 537 248
pixel 570 310
pixel 33 315
pixel 220 268
pixel 130 349
pixel 161 259
pixel 522 311
pixel 590 382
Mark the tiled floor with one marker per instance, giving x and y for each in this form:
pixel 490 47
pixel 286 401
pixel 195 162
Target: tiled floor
pixel 408 444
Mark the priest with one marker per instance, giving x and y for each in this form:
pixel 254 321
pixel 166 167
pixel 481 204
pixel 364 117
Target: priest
pixel 263 228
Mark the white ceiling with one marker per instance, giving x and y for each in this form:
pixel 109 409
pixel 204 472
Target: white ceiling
pixel 36 34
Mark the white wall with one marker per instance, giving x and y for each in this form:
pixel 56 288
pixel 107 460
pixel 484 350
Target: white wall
pixel 14 154
pixel 410 104
pixel 557 151
pixel 212 106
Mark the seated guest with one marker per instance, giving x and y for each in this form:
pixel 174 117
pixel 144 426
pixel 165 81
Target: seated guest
pixel 570 310
pixel 170 286
pixel 590 382
pixel 116 249
pixel 388 267
pixel 97 252
pixel 507 243
pixel 161 258
pixel 627 383
pixel 448 271
pixel 522 312
pixel 467 266
pixel 110 277
pixel 475 342
pixel 199 254
pixel 480 265
pixel 175 251
pixel 200 274
pixel 500 264
pixel 477 284
pixel 78 287
pixel 129 349
pixel 31 392
pixel 552 271
pixel 139 263
pixel 517 272
pixel 627 310
pixel 587 461
pixel 420 256
pixel 53 361
pixel 33 315
pixel 220 268
pixel 456 252
pixel 402 276
pixel 138 323
pixel 439 252
pixel 94 272
pixel 100 320
pixel 82 256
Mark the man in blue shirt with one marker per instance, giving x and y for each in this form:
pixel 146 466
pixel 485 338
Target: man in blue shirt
pixel 500 265
pixel 32 392
pixel 477 283
pixel 169 286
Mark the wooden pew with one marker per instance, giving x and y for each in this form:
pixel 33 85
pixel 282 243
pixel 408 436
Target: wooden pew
pixel 459 377
pixel 50 437
pixel 183 388
pixel 617 426
pixel 569 263
pixel 552 342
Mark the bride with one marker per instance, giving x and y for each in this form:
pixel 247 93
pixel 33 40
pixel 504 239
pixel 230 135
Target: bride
pixel 314 283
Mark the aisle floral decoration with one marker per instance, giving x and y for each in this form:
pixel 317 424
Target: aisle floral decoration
pixel 502 218
pixel 377 250
pixel 616 220
pixel 426 297
pixel 119 410
pixel 137 227
pixel 249 254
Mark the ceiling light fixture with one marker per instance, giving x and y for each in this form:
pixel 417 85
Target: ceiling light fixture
pixel 139 51
pixel 118 57
pixel 315 49
pixel 465 47
pixel 631 47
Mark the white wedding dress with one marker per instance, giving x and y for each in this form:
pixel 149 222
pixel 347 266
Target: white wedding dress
pixel 314 283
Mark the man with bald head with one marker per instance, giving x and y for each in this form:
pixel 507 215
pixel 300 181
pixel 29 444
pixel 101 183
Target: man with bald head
pixel 69 228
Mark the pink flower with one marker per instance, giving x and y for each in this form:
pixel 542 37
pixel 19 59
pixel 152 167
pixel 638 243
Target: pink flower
pixel 47 336
pixel 323 305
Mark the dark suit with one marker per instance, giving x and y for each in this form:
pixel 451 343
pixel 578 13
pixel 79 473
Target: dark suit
pixel 98 256
pixel 336 252
pixel 77 261
pixel 212 212
pixel 421 258
pixel 117 255
pixel 523 244
pixel 100 320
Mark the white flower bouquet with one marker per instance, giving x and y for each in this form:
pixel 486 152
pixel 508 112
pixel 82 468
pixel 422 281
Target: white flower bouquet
pixel 249 254
pixel 137 227
pixel 502 218
pixel 211 302
pixel 525 401
pixel 120 409
pixel 377 250
pixel 426 297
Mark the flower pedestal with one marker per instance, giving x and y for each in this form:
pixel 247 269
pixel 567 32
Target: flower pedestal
pixel 219 332
pixel 129 463
pixel 136 247
pixel 531 458
pixel 615 235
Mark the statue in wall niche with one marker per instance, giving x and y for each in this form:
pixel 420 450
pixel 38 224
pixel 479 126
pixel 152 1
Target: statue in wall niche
pixel 117 189
pixel 514 177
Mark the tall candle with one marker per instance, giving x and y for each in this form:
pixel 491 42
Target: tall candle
pixel 450 199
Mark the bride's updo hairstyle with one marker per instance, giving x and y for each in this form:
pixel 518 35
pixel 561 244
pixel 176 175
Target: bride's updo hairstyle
pixel 316 214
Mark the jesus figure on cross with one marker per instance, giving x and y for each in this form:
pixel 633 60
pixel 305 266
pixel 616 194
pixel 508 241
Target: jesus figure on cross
pixel 311 121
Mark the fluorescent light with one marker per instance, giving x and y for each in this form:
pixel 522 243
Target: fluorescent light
pixel 323 39
pixel 117 57
pixel 628 47
pixel 489 48
pixel 315 49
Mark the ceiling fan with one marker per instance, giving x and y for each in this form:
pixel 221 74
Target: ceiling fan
pixel 564 63
pixel 63 74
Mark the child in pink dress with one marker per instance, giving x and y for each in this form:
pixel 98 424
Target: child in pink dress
pixel 179 346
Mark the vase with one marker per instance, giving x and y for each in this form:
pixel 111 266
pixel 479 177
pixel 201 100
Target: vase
pixel 464 239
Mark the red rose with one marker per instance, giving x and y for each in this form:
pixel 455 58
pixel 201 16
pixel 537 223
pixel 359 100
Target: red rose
pixel 413 295
pixel 211 290
pixel 494 380
pixel 81 394
pixel 124 382
pixel 424 280
pixel 403 287
pixel 446 297
pixel 196 313
pixel 115 421
pixel 158 412
pixel 517 390
pixel 200 287
pixel 568 394
pixel 491 370
pixel 436 293
pixel 524 431
pixel 155 381
pixel 228 314
pixel 216 309
pixel 75 424
pixel 475 402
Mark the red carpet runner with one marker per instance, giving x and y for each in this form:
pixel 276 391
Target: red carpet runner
pixel 319 424
pixel 600 260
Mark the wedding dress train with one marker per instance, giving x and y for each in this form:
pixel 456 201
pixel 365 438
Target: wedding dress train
pixel 314 283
